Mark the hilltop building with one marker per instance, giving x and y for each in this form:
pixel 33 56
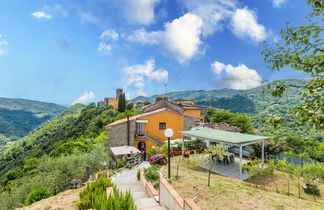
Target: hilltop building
pixel 113 101
pixel 146 130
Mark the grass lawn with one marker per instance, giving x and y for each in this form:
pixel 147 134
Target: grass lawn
pixel 226 193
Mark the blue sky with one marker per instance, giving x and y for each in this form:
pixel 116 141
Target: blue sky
pixel 80 51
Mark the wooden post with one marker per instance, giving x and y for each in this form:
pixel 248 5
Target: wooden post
pixel 262 154
pixel 88 172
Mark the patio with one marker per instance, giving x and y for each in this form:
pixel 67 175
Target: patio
pixel 231 171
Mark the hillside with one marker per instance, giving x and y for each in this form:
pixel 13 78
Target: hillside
pixel 260 106
pixel 20 116
pixel 55 153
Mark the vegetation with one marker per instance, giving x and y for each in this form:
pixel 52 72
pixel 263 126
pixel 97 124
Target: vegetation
pixel 208 158
pixel 18 117
pixel 94 196
pixel 36 195
pixel 189 145
pixel 158 159
pixel 122 103
pixel 301 49
pixel 241 121
pixel 56 153
pixel 227 193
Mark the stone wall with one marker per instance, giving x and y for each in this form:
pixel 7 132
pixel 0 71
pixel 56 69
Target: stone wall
pixel 117 134
pixel 188 122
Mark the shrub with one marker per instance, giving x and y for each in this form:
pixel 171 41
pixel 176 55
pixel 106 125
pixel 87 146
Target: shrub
pixel 151 174
pixel 190 145
pixel 94 197
pixel 36 195
pixel 31 164
pixel 129 165
pixel 13 174
pixel 159 159
pixel 159 150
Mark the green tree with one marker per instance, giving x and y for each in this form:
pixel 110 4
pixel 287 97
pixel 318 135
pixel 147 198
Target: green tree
pixel 208 159
pixel 130 106
pixel 302 50
pixel 122 103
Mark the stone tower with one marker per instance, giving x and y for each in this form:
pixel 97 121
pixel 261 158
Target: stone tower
pixel 119 91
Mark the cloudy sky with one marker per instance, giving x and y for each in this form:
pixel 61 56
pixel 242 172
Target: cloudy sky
pixel 81 50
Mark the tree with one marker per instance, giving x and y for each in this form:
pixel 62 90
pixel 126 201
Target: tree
pixel 208 159
pixel 129 106
pixel 288 168
pixel 122 103
pixel 302 50
pixel 297 171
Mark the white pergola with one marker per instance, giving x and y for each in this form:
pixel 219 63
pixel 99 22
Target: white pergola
pixel 227 137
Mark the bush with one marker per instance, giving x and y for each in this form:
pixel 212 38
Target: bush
pixel 151 174
pixel 36 195
pixel 13 174
pixel 190 145
pixel 94 197
pixel 129 165
pixel 163 149
pixel 159 159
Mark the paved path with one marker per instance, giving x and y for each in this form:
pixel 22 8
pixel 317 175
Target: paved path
pixel 127 180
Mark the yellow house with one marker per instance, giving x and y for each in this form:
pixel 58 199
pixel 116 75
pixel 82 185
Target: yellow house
pixel 146 130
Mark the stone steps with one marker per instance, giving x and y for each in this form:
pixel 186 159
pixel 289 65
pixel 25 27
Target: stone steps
pixel 127 181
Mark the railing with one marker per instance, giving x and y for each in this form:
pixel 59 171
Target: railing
pixel 144 135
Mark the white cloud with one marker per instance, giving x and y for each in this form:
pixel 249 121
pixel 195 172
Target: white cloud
pixel 3 45
pixel 180 38
pixel 139 11
pixel 212 12
pixel 244 24
pixel 144 37
pixel 136 76
pixel 104 48
pixel 218 67
pixel 240 77
pixel 41 15
pixel 86 98
pixel 109 34
pixel 278 3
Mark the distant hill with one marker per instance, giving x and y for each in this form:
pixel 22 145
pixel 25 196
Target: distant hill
pixel 20 116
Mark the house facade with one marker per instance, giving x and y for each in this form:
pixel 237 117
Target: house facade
pixel 146 130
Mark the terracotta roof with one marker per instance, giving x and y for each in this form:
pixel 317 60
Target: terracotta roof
pixel 223 126
pixel 166 104
pixel 144 115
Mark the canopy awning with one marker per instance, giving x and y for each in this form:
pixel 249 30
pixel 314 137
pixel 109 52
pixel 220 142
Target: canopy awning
pixel 225 137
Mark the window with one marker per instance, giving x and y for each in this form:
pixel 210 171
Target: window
pixel 162 126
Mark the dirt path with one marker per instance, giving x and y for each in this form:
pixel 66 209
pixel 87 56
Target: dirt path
pixel 66 200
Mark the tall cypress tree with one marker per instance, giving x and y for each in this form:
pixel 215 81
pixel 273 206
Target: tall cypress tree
pixel 122 103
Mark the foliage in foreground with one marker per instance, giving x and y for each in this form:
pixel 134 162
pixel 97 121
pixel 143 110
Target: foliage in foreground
pixel 302 50
pixel 94 196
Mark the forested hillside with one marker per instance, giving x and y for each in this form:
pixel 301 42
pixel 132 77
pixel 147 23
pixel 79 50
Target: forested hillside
pixel 56 152
pixel 19 116
pixel 260 106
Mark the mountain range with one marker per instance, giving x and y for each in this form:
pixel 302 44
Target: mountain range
pixel 20 116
